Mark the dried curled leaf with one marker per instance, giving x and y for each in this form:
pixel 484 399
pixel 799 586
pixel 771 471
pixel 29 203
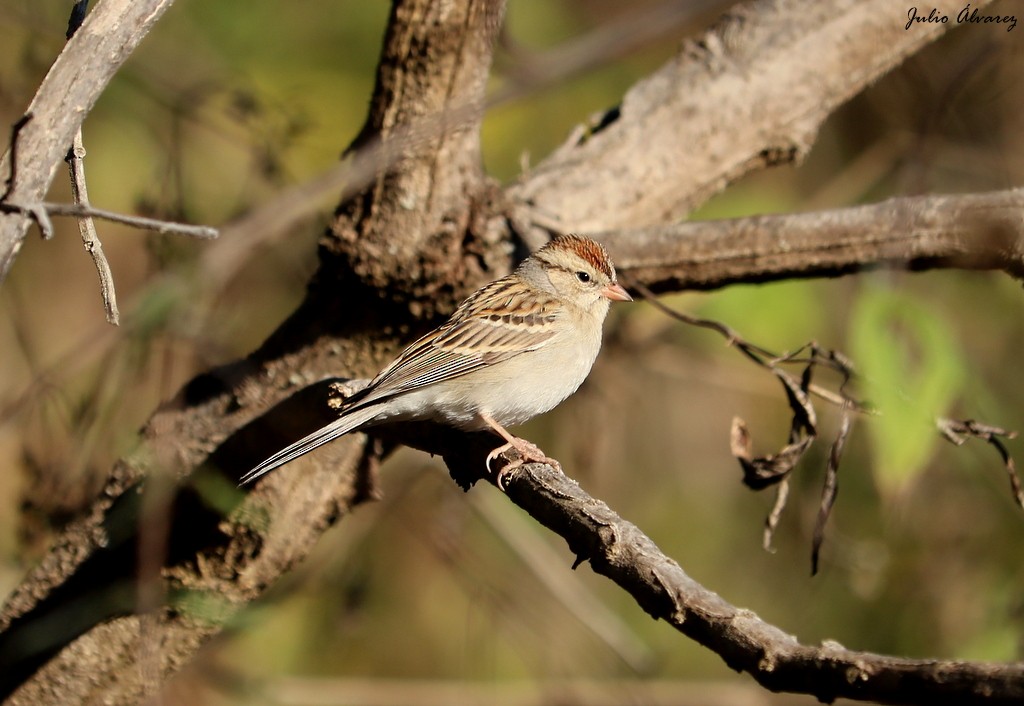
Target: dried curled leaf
pixel 804 416
pixel 760 472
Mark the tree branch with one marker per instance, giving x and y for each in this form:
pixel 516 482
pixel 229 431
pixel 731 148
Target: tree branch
pixel 407 230
pixel 618 550
pixel 87 229
pixel 964 231
pixel 75 81
pixel 657 156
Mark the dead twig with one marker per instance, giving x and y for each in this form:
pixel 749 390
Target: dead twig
pixel 80 193
pixel 141 222
pixel 761 472
pixel 87 229
pixel 958 432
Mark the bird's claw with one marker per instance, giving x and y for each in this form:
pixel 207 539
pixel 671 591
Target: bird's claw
pixel 528 452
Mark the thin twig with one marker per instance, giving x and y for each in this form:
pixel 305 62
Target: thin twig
pixel 87 228
pixel 769 360
pixel 760 472
pixel 41 212
pixel 154 224
pixel 958 432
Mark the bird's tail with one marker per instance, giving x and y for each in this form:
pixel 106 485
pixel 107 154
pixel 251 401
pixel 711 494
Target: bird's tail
pixel 342 425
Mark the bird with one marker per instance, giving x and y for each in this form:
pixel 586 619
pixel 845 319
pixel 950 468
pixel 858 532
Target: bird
pixel 514 349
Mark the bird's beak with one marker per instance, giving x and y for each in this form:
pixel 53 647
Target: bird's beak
pixel 615 292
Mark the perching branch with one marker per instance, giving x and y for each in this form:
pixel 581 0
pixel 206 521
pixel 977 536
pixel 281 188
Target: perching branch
pixel 620 551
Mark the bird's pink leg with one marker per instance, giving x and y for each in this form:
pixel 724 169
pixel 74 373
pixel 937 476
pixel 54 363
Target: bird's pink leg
pixel 528 451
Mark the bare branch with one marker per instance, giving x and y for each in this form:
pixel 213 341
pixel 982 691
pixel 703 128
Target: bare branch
pixel 958 432
pixel 40 213
pixel 652 160
pixel 90 58
pixel 963 231
pixel 87 227
pixel 142 222
pixel 618 550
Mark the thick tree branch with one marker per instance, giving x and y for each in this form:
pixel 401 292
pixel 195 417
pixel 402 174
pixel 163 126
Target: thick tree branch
pixel 963 231
pixel 658 156
pixel 404 233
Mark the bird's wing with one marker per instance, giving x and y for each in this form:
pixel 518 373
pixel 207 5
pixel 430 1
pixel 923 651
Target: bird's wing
pixel 499 323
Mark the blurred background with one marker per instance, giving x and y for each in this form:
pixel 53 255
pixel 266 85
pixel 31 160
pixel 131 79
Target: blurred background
pixel 435 596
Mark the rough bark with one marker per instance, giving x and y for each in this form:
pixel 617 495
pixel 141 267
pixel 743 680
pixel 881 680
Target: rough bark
pixel 966 231
pixel 777 660
pixel 658 155
pixel 436 55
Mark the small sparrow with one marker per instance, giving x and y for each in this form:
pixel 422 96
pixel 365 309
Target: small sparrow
pixel 514 349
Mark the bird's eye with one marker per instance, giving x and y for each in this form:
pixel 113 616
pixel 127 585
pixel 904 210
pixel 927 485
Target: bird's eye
pixel 583 277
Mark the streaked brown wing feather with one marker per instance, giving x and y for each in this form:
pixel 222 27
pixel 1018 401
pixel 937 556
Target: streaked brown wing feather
pixel 500 323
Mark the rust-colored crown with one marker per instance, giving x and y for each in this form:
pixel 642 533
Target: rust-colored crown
pixel 591 251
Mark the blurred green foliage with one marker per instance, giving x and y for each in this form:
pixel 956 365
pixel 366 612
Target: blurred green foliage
pixel 226 103
pixel 914 371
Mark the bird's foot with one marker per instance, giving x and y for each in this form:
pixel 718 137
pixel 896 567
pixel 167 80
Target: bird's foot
pixel 528 452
